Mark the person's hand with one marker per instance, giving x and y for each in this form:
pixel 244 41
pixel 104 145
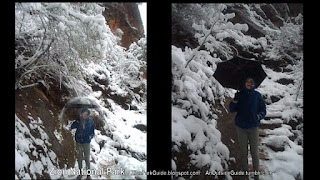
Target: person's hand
pixel 236 96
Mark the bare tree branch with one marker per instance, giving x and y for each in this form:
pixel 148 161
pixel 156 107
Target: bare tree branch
pixel 206 36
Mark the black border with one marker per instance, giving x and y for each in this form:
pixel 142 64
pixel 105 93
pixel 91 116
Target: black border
pixel 159 87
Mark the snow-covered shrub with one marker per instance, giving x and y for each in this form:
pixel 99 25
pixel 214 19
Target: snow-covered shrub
pixel 63 40
pixel 287 42
pixel 185 14
pixel 55 38
pixel 123 71
pixel 134 65
pixel 139 50
pixel 129 68
pixel 194 93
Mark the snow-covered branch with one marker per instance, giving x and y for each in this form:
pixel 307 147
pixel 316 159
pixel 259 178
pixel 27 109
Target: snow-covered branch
pixel 219 28
pixel 59 34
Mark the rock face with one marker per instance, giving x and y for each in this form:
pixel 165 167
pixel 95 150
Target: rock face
pixel 125 16
pixel 256 16
pixel 272 15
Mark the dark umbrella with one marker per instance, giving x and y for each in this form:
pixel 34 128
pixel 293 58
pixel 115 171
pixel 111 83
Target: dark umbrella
pixel 232 73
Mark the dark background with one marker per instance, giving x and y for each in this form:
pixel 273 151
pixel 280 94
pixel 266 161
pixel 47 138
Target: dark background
pixel 159 89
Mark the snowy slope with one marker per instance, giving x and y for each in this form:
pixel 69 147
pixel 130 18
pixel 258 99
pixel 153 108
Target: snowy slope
pixel 124 150
pixel 289 106
pixel 284 144
pixel 194 119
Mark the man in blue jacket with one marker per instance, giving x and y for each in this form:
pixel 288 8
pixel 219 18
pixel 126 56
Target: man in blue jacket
pixel 250 108
pixel 83 136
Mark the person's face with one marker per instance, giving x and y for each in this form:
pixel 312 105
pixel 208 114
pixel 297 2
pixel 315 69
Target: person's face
pixel 85 115
pixel 249 83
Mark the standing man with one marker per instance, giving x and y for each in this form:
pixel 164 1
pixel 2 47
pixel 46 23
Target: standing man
pixel 83 136
pixel 250 108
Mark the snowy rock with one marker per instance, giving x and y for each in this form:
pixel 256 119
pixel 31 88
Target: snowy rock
pixel 277 143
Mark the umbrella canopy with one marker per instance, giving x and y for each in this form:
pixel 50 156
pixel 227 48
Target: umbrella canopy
pixel 81 102
pixel 232 73
pixel 73 108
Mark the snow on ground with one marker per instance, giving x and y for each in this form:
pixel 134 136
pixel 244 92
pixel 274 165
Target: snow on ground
pixel 283 164
pixel 285 158
pixel 109 159
pixel 288 107
pixel 25 144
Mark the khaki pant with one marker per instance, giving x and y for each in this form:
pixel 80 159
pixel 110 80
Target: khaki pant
pixel 83 152
pixel 248 136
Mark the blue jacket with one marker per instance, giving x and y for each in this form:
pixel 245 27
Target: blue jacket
pixel 85 130
pixel 250 109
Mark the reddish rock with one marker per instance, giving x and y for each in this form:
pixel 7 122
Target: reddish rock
pixel 125 16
